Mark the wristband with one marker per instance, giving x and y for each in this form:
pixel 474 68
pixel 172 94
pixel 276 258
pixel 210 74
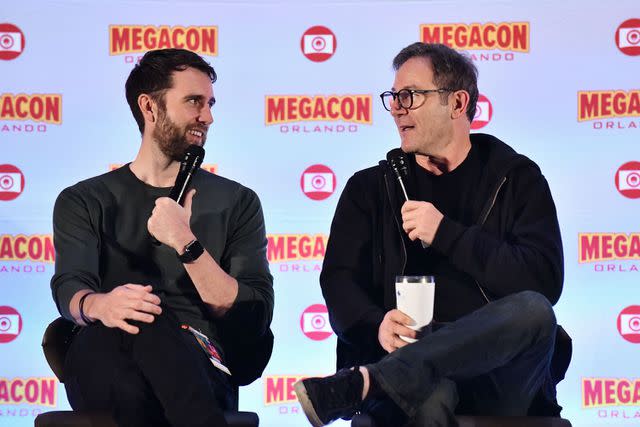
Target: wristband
pixel 83 316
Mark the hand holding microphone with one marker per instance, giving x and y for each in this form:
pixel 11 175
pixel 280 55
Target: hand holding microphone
pixel 420 220
pixel 169 223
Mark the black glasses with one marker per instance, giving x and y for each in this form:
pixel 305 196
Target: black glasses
pixel 405 96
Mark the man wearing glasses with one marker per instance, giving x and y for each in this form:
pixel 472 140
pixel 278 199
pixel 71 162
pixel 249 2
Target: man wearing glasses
pixel 481 219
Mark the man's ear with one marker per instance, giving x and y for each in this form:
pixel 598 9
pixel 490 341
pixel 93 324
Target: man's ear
pixel 460 103
pixel 148 107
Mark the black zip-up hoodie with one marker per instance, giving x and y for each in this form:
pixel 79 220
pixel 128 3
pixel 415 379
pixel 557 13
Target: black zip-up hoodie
pixel 513 245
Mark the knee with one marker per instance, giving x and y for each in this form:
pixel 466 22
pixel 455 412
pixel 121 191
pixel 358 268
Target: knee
pixel 535 313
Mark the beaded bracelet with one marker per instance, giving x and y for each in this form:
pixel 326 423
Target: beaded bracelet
pixel 83 316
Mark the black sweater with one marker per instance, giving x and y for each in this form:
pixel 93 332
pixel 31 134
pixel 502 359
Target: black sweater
pixel 513 244
pixel 101 241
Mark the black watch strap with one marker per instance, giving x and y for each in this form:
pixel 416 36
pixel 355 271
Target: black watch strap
pixel 192 252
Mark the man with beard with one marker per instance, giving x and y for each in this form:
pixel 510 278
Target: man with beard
pixel 162 324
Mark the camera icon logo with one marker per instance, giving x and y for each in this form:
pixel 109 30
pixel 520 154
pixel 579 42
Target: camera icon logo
pixel 318 182
pixel 10 324
pixel 629 324
pixel 11 41
pixel 11 182
pixel 484 112
pixel 314 322
pixel 318 43
pixel 628 180
pixel 628 37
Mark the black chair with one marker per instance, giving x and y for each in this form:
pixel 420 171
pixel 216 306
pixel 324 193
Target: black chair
pixel 55 343
pixel 364 420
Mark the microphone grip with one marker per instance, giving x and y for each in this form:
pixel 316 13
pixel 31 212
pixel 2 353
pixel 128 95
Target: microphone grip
pixel 406 199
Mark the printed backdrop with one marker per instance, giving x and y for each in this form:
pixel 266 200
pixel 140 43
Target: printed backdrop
pixel 297 114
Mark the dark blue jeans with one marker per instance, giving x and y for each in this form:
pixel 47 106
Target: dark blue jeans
pixel 490 362
pixel 158 377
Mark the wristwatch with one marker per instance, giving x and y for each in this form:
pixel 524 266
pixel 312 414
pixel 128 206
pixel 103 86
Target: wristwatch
pixel 192 252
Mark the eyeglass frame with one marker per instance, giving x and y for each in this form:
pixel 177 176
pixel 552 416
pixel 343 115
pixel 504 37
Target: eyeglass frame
pixel 394 95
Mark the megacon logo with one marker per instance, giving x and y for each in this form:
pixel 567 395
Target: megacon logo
pixel 137 39
pixel 30 112
pixel 318 182
pixel 279 393
pixel 10 324
pixel 11 41
pixel 629 324
pixel 486 41
pixel 292 112
pixel 628 180
pixel 11 182
pixel 604 393
pixel 213 168
pixel 609 109
pixel 610 252
pixel 314 322
pixel 29 391
pixel 628 37
pixel 484 112
pixel 318 43
pixel 33 251
pixel 296 253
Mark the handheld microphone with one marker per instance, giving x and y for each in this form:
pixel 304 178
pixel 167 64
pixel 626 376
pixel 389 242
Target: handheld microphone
pixel 399 164
pixel 193 156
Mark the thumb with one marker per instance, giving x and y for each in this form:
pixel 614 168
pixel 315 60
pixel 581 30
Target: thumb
pixel 188 200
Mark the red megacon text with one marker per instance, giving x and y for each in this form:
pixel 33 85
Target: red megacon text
pixel 610 392
pixel 290 247
pixel 510 36
pixel 278 389
pixel 603 104
pixel 32 391
pixel 38 248
pixel 296 108
pixel 46 108
pixel 608 246
pixel 141 38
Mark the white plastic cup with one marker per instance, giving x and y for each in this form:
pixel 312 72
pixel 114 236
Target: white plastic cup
pixel 415 297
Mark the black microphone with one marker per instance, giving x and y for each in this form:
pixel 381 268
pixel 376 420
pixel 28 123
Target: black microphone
pixel 193 156
pixel 399 163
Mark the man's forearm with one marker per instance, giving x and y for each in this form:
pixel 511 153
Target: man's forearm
pixel 216 288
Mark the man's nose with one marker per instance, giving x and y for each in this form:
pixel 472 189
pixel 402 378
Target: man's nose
pixel 206 116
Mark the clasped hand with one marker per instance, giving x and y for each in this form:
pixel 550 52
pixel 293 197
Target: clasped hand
pixel 125 302
pixel 420 220
pixel 169 222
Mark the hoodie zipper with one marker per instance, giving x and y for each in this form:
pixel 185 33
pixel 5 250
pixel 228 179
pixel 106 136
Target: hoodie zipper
pixel 483 220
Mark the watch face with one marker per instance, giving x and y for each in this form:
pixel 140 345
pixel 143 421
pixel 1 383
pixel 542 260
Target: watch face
pixel 191 252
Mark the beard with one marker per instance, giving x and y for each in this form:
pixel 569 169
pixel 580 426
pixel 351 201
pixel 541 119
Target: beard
pixel 172 140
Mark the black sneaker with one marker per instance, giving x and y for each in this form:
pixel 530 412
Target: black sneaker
pixel 324 400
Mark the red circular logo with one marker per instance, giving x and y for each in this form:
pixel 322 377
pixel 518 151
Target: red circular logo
pixel 318 182
pixel 11 182
pixel 484 111
pixel 628 180
pixel 10 324
pixel 11 41
pixel 628 37
pixel 629 323
pixel 318 43
pixel 314 322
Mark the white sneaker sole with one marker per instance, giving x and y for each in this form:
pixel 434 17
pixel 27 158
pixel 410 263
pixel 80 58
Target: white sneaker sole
pixel 306 404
